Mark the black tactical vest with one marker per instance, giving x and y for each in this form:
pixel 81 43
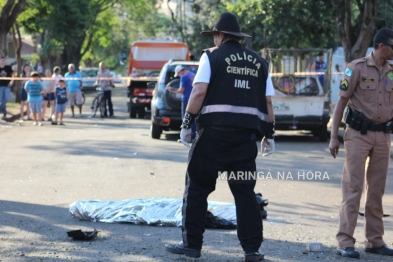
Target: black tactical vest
pixel 236 94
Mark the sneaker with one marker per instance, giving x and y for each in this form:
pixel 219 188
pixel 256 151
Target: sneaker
pixel 21 119
pixel 49 119
pixel 383 250
pixel 40 123
pixel 348 252
pixel 54 123
pixel 35 123
pixel 180 249
pixel 254 256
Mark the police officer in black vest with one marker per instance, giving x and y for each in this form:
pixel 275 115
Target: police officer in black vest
pixel 231 101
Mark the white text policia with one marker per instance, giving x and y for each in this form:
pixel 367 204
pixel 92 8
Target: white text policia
pixel 238 57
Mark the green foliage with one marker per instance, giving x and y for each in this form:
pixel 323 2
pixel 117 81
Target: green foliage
pixel 206 13
pixel 288 23
pixel 116 28
pixel 94 30
pixel 384 17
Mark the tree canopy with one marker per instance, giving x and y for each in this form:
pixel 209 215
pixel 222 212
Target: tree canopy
pixel 88 31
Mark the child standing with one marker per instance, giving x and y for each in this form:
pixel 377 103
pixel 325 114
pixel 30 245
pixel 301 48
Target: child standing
pixel 34 89
pixel 49 95
pixel 61 101
pixel 23 94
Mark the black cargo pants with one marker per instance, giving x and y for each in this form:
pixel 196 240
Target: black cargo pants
pixel 217 151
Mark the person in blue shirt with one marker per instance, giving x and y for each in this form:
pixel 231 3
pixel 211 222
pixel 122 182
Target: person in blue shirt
pixel 61 101
pixel 34 90
pixel 74 85
pixel 320 67
pixel 185 88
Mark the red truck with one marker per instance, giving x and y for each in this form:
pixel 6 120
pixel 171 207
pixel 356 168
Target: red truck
pixel 145 62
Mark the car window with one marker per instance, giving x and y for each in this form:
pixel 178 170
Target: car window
pixel 170 75
pixel 89 73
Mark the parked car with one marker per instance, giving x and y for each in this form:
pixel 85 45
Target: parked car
pixel 116 78
pixel 165 105
pixel 89 77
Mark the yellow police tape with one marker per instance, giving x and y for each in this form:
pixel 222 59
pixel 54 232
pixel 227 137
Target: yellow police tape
pixel 154 78
pixel 66 78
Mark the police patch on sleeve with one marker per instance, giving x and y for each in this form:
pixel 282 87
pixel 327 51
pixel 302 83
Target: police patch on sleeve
pixel 348 72
pixel 344 85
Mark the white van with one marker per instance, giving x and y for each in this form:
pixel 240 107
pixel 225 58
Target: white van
pixel 338 66
pixel 301 101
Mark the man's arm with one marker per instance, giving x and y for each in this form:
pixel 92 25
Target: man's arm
pixel 12 79
pixel 270 111
pixel 334 144
pixel 52 86
pixel 312 67
pixel 176 91
pixel 80 80
pixel 98 78
pixel 197 97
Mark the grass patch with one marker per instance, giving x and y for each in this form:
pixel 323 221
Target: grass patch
pixel 13 108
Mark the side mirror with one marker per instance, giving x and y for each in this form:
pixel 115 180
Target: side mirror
pixel 151 84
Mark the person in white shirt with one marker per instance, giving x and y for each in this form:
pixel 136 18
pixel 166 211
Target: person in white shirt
pixel 105 82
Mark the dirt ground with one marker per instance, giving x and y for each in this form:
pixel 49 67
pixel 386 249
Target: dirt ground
pixel 45 169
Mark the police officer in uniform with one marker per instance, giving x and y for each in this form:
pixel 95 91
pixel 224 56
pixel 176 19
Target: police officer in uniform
pixel 231 99
pixel 367 93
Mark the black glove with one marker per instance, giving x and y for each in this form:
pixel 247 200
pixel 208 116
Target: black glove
pixel 270 130
pixel 187 120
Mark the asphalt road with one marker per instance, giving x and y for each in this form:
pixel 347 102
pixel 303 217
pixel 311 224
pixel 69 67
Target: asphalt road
pixel 45 169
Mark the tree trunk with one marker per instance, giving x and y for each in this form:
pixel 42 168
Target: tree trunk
pixel 355 42
pixel 18 48
pixel 3 42
pixel 71 55
pixel 8 16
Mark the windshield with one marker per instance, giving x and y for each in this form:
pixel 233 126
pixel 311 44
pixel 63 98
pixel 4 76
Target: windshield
pixel 89 72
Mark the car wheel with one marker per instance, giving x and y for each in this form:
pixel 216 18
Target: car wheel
pixel 323 134
pixel 141 112
pixel 133 109
pixel 133 112
pixel 155 131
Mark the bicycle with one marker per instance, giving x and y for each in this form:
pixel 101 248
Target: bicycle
pixel 98 103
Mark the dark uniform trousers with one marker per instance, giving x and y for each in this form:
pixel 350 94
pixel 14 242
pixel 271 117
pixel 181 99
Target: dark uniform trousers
pixel 218 151
pixel 108 101
pixel 358 147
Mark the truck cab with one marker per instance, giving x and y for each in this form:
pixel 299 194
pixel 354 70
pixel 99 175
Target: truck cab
pixel 145 62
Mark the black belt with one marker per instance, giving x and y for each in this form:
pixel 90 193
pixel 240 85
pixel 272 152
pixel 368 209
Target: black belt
pixel 230 128
pixel 376 127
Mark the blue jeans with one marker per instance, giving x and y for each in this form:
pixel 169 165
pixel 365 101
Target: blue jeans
pixel 5 92
pixel 193 125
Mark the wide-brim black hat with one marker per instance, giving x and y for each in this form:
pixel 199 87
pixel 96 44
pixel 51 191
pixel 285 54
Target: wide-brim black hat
pixel 226 23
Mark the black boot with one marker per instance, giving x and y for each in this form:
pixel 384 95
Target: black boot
pixel 180 249
pixel 255 256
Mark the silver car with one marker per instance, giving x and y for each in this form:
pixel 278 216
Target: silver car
pixel 89 77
